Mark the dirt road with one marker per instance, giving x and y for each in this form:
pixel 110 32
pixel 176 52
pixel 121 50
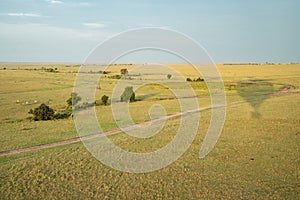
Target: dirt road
pixel 285 90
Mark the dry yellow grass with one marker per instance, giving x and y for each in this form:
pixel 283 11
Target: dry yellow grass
pixel 255 158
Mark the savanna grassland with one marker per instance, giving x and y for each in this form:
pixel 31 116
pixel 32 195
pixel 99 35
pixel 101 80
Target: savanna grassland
pixel 256 157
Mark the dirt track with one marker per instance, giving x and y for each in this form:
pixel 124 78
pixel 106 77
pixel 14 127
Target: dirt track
pixel 110 132
pixel 286 90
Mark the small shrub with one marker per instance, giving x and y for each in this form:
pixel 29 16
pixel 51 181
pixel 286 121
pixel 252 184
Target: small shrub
pixel 103 72
pixel 104 99
pixel 85 105
pixel 199 79
pixel 97 102
pixel 169 76
pixel 43 112
pixel 132 97
pixel 51 70
pixel 117 76
pixel 128 95
pixel 195 80
pixel 62 114
pixel 124 71
pixel 74 99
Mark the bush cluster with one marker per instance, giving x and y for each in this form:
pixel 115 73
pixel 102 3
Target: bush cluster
pixel 43 112
pixel 128 95
pixel 117 76
pixel 195 79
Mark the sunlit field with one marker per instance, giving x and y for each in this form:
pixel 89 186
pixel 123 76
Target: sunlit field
pixel 256 157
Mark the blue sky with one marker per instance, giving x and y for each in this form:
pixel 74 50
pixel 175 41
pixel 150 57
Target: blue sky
pixel 230 30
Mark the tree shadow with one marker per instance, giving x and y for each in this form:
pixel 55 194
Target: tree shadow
pixel 144 97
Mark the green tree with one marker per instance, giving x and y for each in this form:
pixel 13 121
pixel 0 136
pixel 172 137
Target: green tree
pixel 124 72
pixel 199 79
pixel 169 76
pixel 128 95
pixel 104 99
pixel 43 112
pixel 74 99
pixel 63 114
pixel 132 97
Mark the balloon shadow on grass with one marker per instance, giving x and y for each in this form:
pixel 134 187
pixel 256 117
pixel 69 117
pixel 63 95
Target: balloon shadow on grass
pixel 255 92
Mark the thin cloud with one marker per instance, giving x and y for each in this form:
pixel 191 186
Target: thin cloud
pixel 94 25
pixel 83 4
pixel 55 1
pixel 70 3
pixel 23 15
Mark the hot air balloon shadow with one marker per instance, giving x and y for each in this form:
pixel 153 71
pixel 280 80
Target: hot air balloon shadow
pixel 255 92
